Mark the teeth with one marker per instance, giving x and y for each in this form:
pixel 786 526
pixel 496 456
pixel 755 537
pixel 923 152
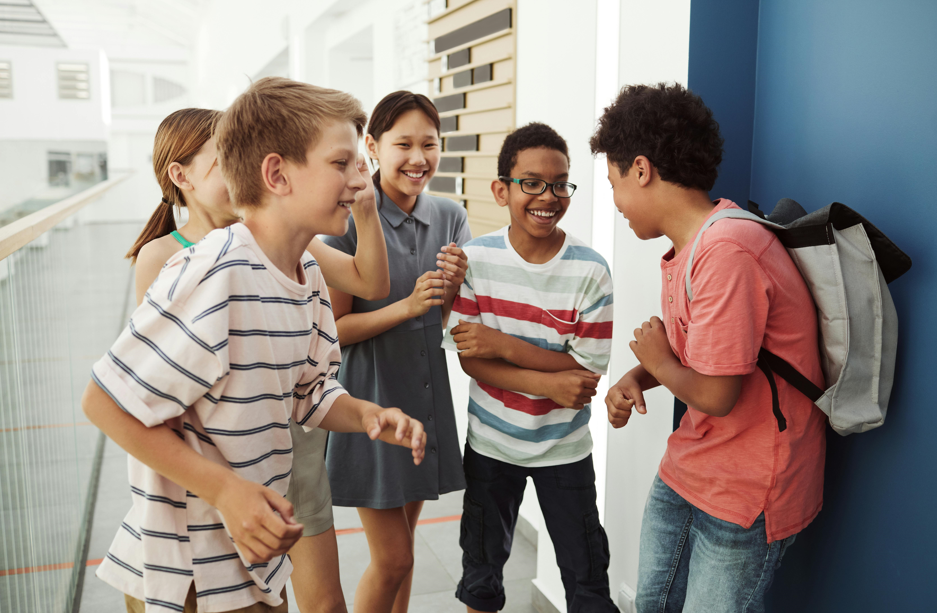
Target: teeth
pixel 541 213
pixel 413 175
pixel 346 205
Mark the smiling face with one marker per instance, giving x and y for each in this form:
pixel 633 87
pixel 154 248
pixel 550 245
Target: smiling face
pixel 535 215
pixel 324 188
pixel 408 155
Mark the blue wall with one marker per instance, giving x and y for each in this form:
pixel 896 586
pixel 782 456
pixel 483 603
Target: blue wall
pixel 845 109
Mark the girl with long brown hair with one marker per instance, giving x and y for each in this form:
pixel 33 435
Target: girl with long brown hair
pixel 186 167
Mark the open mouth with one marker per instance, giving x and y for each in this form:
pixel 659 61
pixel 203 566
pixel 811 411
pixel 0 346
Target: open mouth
pixel 416 175
pixel 346 204
pixel 543 216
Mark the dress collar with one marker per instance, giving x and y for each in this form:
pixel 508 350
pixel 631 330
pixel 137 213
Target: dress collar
pixel 422 211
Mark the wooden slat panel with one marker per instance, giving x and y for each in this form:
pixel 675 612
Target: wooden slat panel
pixel 501 119
pixel 480 227
pixel 477 187
pixel 491 142
pixel 469 13
pixel 490 97
pixel 487 166
pixel 488 210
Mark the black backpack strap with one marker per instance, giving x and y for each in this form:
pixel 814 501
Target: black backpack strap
pixel 790 374
pixel 775 403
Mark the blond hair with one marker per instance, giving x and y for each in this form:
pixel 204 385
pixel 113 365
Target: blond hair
pixel 179 137
pixel 276 115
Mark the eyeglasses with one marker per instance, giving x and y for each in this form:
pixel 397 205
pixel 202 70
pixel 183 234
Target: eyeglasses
pixel 535 187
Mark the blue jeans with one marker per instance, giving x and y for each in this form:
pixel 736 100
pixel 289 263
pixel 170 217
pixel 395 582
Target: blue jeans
pixel 693 562
pixel 493 494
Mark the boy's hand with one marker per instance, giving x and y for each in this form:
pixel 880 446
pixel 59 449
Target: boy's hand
pixel 364 199
pixel 427 293
pixel 651 345
pixel 572 389
pixel 396 427
pixel 259 519
pixel 454 263
pixel 477 340
pixel 622 398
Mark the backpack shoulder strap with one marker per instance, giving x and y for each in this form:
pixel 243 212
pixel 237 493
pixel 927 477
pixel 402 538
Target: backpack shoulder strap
pixel 723 214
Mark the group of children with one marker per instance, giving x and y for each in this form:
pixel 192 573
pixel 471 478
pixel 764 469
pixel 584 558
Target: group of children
pixel 253 337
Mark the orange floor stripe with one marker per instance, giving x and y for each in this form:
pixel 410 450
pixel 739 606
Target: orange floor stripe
pixel 38 569
pixel 69 425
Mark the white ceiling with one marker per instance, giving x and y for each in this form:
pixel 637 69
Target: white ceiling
pixel 116 25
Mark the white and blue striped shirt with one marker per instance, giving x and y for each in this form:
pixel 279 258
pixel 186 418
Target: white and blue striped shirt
pixel 225 349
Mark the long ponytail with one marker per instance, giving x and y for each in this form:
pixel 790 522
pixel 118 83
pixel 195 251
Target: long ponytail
pixel 178 138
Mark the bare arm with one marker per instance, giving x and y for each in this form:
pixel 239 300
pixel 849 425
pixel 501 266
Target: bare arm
pixel 150 261
pixel 365 274
pixel 481 341
pixel 356 327
pixel 260 519
pixel 348 414
pixel 569 388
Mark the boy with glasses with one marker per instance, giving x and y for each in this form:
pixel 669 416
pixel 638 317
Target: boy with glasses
pixel 533 328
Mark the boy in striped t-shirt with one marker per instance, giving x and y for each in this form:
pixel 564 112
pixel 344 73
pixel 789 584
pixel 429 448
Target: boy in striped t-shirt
pixel 533 328
pixel 233 341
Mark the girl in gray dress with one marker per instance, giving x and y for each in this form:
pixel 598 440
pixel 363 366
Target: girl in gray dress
pixel 391 350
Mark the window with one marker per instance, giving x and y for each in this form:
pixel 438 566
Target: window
pixel 74 82
pixel 6 80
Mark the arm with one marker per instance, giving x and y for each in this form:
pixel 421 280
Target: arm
pixel 348 414
pixel 479 341
pixel 149 262
pixel 259 519
pixel 571 388
pixel 712 395
pixel 356 327
pixel 453 261
pixel 366 273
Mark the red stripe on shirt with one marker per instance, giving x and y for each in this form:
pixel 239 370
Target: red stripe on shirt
pixel 465 306
pixel 561 321
pixel 519 402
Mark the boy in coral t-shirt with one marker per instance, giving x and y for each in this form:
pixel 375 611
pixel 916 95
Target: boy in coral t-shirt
pixel 734 487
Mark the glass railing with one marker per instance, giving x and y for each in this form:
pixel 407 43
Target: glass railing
pixel 65 293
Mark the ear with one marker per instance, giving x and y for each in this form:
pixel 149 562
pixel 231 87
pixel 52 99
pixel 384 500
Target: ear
pixel 370 146
pixel 644 170
pixel 177 175
pixel 500 191
pixel 273 171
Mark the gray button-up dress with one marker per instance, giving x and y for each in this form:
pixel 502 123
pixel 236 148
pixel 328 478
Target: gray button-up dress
pixel 403 367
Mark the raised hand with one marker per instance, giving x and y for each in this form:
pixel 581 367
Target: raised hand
pixel 427 292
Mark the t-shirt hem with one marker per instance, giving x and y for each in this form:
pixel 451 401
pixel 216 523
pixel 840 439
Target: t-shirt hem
pixel 316 418
pixel 534 463
pixel 722 370
pixel 110 382
pixel 783 533
pixel 588 365
pixel 119 583
pixel 717 512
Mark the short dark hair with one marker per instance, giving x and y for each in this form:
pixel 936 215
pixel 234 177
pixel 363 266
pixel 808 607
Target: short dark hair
pixel 531 136
pixel 668 124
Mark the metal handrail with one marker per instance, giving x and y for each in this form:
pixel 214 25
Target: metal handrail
pixel 23 231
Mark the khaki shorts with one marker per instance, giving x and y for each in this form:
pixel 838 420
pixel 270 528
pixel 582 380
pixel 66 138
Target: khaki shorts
pixel 309 489
pixel 137 606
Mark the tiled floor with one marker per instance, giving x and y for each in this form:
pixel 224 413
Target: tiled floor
pixel 438 556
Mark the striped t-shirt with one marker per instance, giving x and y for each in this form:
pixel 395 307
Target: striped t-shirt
pixel 562 305
pixel 225 349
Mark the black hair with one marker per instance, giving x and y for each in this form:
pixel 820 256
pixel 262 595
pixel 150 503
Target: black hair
pixel 531 136
pixel 668 124
pixel 389 109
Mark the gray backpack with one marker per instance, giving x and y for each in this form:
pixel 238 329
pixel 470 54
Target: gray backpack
pixel 847 263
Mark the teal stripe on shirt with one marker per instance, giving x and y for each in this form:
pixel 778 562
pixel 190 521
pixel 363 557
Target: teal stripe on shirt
pixel 549 432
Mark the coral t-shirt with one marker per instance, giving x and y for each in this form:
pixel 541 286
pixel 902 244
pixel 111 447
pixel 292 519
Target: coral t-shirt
pixel 747 294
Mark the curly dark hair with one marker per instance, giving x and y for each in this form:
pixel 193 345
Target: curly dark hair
pixel 670 126
pixel 531 136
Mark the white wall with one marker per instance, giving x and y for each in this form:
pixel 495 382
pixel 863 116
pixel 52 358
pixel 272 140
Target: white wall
pixel 654 46
pixel 36 113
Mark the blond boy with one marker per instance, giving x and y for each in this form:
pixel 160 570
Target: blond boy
pixel 234 340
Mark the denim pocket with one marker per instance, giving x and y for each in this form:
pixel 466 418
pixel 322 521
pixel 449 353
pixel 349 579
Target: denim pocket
pixel 597 542
pixel 472 530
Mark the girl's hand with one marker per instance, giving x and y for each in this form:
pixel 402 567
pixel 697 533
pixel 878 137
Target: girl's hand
pixel 477 340
pixel 396 427
pixel 454 263
pixel 427 293
pixel 364 199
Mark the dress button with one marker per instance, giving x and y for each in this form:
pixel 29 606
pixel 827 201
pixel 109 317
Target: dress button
pixel 420 317
pixel 413 252
pixel 433 450
pixel 423 353
pixel 409 220
pixel 669 277
pixel 429 418
pixel 426 385
pixel 670 298
pixel 671 320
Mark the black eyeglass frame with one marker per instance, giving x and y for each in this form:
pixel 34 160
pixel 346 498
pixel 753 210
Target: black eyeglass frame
pixel 546 184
